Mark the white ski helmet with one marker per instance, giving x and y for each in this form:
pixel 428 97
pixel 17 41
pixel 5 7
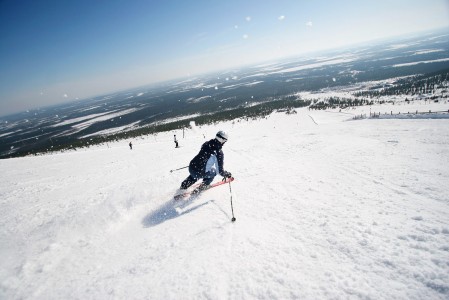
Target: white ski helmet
pixel 221 136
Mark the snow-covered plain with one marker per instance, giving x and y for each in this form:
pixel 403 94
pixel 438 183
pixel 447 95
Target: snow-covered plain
pixel 326 208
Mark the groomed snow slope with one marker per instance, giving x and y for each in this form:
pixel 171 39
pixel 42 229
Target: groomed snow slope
pixel 326 209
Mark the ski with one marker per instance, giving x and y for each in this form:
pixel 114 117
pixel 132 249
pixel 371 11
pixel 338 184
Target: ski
pixel 192 191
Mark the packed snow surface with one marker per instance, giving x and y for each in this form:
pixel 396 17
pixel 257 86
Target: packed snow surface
pixel 326 208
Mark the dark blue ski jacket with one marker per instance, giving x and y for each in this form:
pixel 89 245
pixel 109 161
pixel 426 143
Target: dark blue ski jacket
pixel 198 163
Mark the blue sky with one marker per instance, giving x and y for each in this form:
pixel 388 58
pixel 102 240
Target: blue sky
pixel 58 51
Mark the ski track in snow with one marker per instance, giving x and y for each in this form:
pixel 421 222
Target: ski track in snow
pixel 325 209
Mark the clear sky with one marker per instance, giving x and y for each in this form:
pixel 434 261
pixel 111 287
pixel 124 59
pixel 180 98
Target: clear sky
pixel 58 51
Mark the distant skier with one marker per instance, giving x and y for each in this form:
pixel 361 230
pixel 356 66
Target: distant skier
pixel 176 142
pixel 207 163
pixel 131 145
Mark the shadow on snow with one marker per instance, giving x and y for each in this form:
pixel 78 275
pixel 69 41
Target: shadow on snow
pixel 170 210
pixel 173 209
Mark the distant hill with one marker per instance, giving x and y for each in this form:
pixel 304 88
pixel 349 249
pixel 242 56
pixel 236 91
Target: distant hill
pixel 245 93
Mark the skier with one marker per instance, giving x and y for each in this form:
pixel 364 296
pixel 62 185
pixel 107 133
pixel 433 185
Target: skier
pixel 205 163
pixel 131 145
pixel 176 142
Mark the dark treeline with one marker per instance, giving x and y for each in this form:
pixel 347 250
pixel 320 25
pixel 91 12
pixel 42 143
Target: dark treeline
pixel 413 85
pixel 337 102
pixel 256 111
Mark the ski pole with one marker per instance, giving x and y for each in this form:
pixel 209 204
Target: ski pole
pixel 171 171
pixel 232 209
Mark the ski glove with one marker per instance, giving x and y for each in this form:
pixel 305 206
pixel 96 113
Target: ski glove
pixel 227 174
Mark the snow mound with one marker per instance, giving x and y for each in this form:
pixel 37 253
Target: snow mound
pixel 326 209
